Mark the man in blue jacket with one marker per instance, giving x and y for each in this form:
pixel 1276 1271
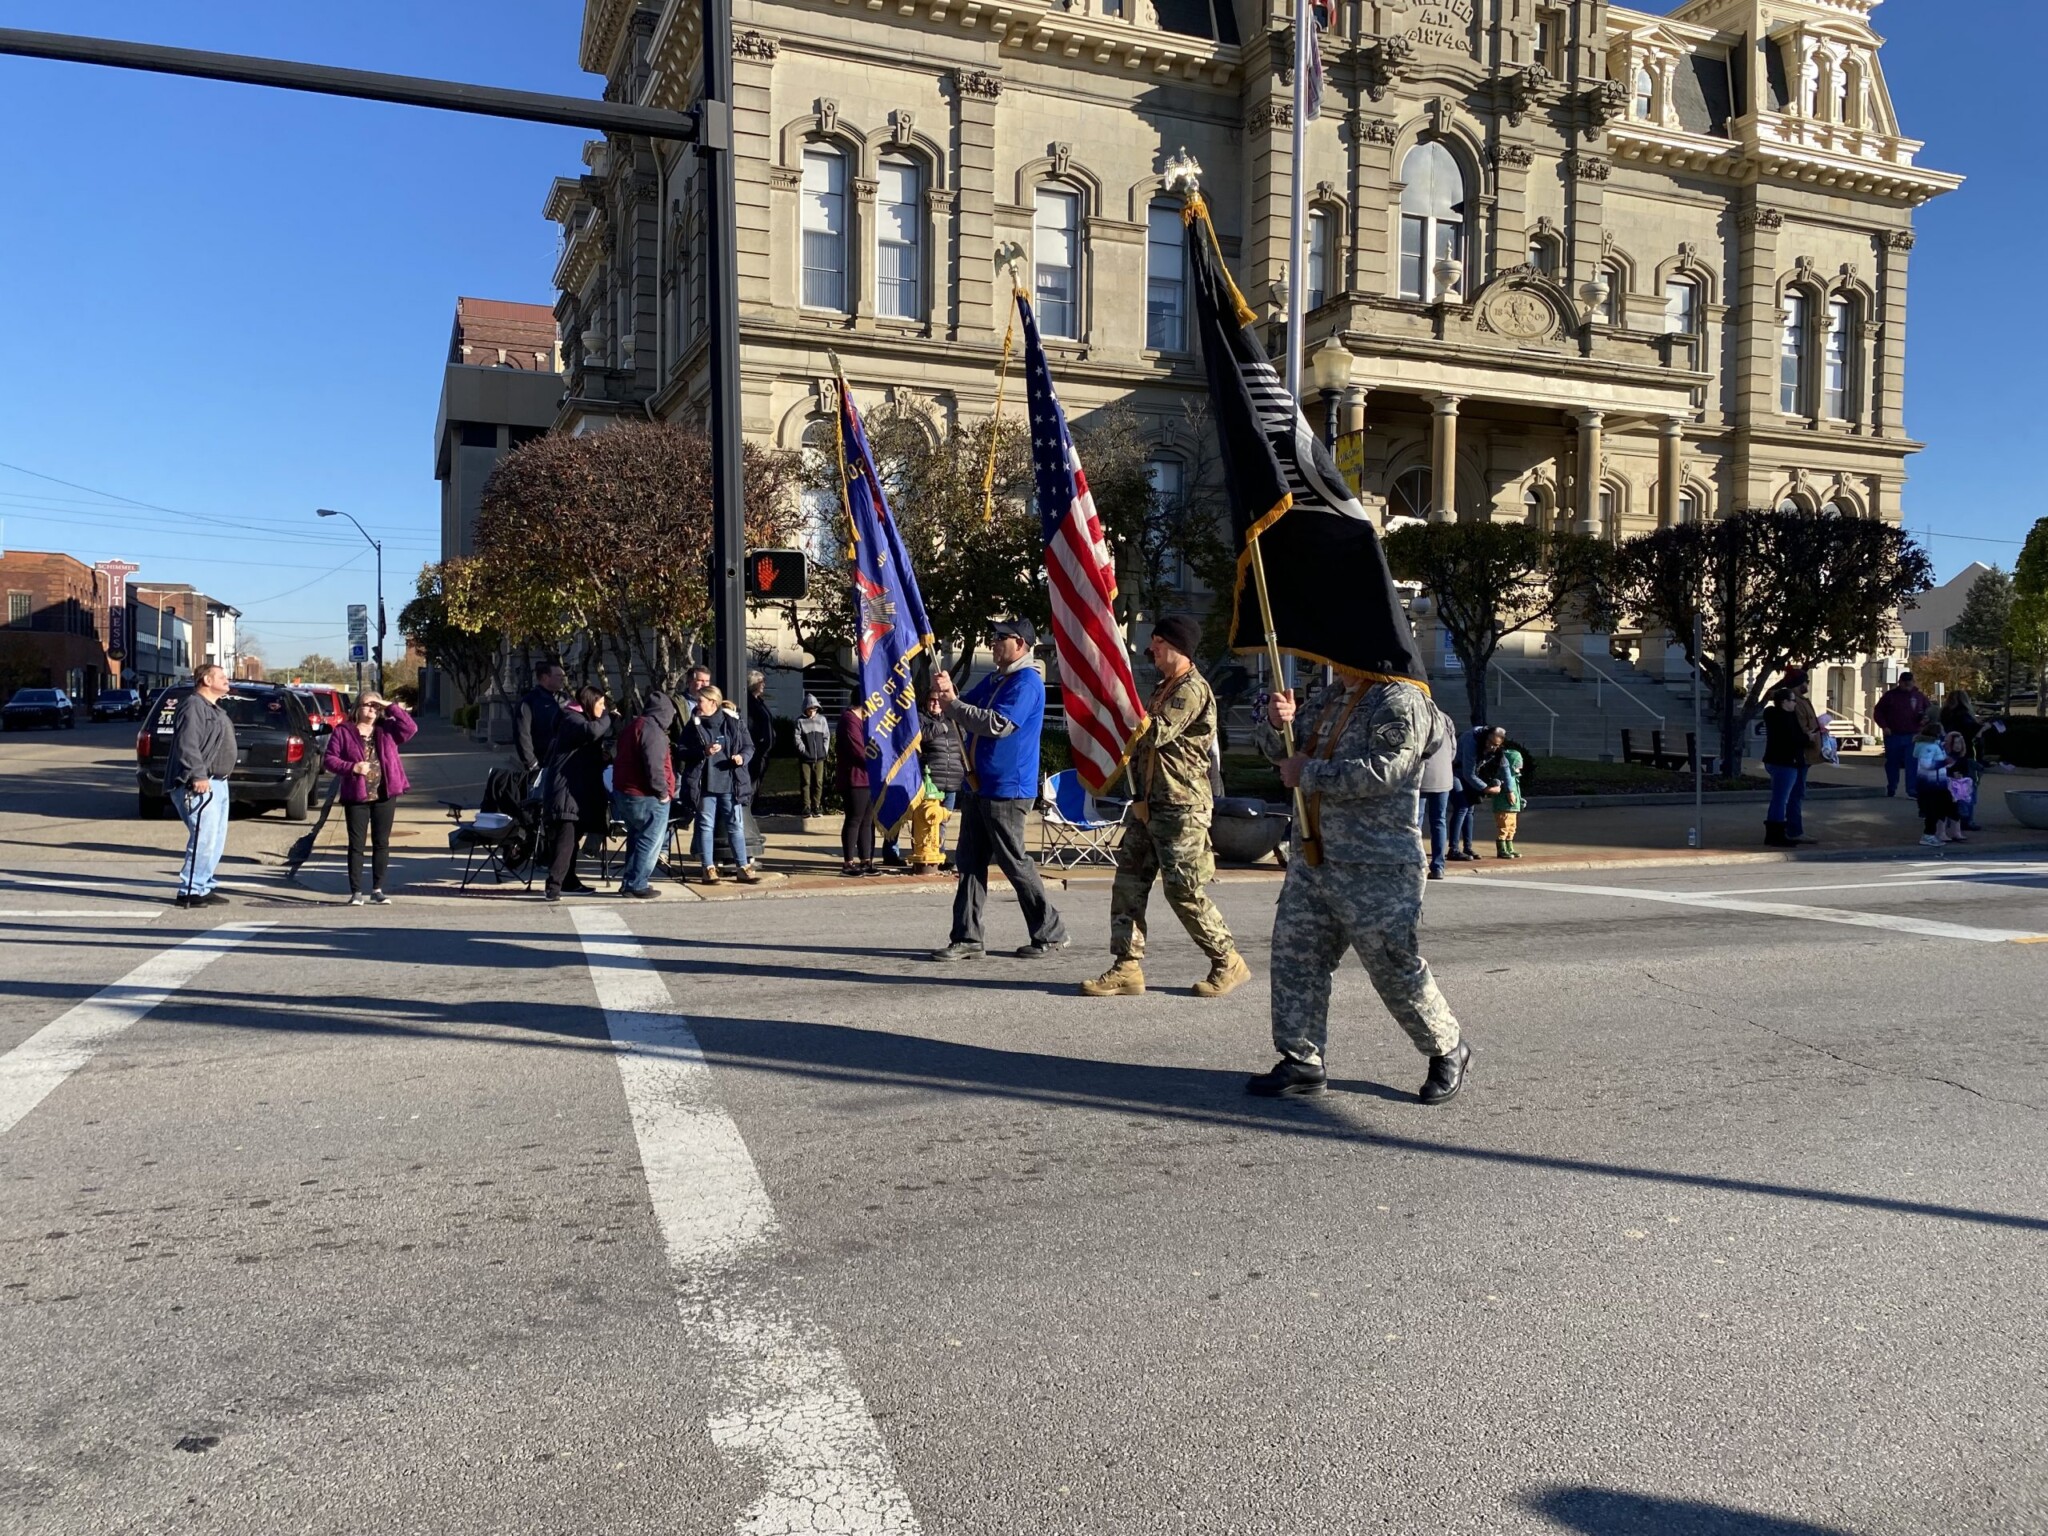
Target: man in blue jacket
pixel 999 721
pixel 1468 790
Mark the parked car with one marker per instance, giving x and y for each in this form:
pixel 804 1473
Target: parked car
pixel 275 763
pixel 117 704
pixel 326 705
pixel 38 706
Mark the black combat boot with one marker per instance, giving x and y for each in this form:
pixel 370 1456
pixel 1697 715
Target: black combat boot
pixel 1289 1079
pixel 1446 1075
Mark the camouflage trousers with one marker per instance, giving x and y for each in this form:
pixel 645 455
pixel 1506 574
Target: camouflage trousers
pixel 1173 848
pixel 1372 908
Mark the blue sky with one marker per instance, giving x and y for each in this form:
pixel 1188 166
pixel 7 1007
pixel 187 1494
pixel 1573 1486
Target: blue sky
pixel 234 303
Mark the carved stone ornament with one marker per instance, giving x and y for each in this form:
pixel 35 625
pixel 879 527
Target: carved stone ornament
pixel 902 124
pixel 752 45
pixel 1271 114
pixel 828 396
pixel 1372 130
pixel 1598 105
pixel 1520 90
pixel 828 114
pixel 785 176
pixel 1518 156
pixel 1899 240
pixel 1591 167
pixel 1325 192
pixel 977 83
pixel 1759 218
pixel 1381 62
pixel 1523 306
pixel 1062 155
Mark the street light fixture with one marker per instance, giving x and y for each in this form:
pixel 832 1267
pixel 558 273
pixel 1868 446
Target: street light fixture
pixel 1330 371
pixel 330 512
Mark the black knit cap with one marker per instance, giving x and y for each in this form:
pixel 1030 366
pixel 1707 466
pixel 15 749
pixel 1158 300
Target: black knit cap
pixel 1180 631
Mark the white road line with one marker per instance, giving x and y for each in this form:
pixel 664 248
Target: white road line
pixel 127 911
pixel 1925 927
pixel 790 1417
pixel 34 1068
pixel 1968 877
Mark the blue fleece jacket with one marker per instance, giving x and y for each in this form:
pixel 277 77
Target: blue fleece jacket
pixel 1004 713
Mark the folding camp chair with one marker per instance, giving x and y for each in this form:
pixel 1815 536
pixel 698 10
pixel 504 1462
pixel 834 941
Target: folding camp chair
pixel 1073 832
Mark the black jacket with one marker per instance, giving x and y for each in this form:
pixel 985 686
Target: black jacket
pixel 723 772
pixel 533 727
pixel 761 730
pixel 576 772
pixel 1784 738
pixel 945 758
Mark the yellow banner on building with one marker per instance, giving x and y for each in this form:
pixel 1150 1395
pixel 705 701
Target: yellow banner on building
pixel 1351 460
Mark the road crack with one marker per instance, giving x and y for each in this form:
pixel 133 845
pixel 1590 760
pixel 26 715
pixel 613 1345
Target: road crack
pixel 1693 1000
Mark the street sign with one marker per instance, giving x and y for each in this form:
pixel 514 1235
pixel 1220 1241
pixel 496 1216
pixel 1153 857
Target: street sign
pixel 358 653
pixel 1351 460
pixel 777 575
pixel 358 624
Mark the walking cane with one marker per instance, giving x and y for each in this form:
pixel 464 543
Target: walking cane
pixel 1304 840
pixel 191 866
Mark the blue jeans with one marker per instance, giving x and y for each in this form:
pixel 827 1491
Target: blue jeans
pixel 646 822
pixel 1898 759
pixel 1463 810
pixel 1788 797
pixel 1436 824
pixel 711 810
pixel 206 819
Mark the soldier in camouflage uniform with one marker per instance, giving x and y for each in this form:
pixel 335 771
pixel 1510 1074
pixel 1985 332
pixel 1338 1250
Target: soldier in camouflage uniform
pixel 1168 834
pixel 1359 767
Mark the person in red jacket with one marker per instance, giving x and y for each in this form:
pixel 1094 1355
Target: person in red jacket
pixel 1898 717
pixel 364 751
pixel 644 779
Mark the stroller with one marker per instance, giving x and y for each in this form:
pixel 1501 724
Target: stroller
pixel 504 834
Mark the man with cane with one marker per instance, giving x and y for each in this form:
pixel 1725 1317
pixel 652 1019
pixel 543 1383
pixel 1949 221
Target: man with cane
pixel 202 755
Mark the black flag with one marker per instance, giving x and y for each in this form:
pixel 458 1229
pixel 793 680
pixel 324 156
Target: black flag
pixel 1332 595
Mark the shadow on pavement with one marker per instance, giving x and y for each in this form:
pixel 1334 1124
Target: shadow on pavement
pixel 1611 1512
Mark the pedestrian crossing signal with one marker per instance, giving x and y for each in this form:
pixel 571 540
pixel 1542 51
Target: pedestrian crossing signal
pixel 777 575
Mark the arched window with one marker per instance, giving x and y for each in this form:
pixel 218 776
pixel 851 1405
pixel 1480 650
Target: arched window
pixel 1432 219
pixel 1645 95
pixel 1836 352
pixel 1316 275
pixel 1412 494
pixel 824 227
pixel 1688 506
pixel 1056 262
pixel 1682 307
pixel 1792 356
pixel 1790 504
pixel 1546 253
pixel 1169 486
pixel 1166 279
pixel 1607 505
pixel 899 242
pixel 1532 507
pixel 1833 509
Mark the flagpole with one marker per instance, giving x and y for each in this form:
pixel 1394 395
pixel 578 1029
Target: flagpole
pixel 1309 845
pixel 1297 193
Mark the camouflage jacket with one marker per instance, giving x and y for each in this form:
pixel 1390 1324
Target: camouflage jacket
pixel 1170 763
pixel 1364 791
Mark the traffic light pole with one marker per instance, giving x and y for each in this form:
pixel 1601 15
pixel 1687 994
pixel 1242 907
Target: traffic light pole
pixel 709 128
pixel 722 284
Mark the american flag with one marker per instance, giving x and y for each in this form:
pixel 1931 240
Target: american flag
pixel 1100 695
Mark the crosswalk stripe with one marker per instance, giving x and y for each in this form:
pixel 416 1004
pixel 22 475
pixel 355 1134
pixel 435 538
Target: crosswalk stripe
pixel 33 1069
pixel 790 1417
pixel 1928 928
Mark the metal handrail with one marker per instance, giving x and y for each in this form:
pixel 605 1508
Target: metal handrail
pixel 1601 676
pixel 1501 677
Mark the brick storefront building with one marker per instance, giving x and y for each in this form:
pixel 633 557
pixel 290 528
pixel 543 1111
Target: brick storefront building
pixel 55 627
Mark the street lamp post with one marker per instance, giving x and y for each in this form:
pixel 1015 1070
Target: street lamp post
pixel 1330 368
pixel 379 653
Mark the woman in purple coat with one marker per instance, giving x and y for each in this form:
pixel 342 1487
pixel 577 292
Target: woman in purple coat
pixel 365 753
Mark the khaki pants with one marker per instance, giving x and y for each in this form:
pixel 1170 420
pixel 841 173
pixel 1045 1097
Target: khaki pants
pixel 1504 824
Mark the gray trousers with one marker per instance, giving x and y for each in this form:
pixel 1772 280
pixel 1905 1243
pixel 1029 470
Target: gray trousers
pixel 995 829
pixel 1370 908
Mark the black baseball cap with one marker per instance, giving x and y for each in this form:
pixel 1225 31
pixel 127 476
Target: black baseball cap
pixel 1017 629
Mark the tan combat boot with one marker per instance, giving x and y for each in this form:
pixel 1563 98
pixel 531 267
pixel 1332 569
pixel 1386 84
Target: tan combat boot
pixel 1225 975
pixel 1124 979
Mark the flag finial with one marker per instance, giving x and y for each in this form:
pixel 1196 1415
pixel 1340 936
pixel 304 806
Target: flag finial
pixel 1010 259
pixel 1182 173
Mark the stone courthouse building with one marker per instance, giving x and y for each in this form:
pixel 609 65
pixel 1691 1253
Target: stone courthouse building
pixel 1592 266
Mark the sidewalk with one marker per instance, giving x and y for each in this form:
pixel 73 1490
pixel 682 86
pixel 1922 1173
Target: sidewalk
pixel 1852 820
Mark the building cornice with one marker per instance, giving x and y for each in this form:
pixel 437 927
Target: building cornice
pixel 604 23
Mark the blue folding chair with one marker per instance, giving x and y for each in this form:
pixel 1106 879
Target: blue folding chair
pixel 1073 832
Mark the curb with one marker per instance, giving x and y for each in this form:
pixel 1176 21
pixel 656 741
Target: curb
pixel 1680 798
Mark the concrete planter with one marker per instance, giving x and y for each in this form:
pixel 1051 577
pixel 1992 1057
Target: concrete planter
pixel 1245 831
pixel 2029 807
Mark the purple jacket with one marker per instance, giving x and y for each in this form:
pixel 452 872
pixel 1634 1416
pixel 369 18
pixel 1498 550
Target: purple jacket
pixel 345 749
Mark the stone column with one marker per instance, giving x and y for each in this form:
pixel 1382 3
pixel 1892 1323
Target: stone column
pixel 1352 417
pixel 1444 460
pixel 978 300
pixel 1888 371
pixel 1758 329
pixel 1589 467
pixel 1669 469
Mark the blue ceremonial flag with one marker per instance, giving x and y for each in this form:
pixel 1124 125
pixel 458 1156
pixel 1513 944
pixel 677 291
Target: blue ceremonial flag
pixel 890 627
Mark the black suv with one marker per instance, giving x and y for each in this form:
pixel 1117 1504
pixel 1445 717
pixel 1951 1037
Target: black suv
pixel 117 704
pixel 38 706
pixel 275 760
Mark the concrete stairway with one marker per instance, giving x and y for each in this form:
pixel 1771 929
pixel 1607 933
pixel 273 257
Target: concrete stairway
pixel 1591 712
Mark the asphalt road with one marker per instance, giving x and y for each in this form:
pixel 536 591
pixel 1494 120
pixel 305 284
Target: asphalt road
pixel 462 1217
